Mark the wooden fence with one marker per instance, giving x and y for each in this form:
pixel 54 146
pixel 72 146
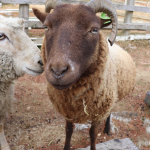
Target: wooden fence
pixel 127 25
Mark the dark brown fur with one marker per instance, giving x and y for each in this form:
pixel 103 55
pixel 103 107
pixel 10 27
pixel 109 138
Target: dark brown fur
pixel 69 39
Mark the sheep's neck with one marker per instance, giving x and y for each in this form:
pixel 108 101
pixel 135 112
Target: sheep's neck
pixel 7 72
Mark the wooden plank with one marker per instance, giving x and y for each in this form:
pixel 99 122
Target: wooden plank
pixel 37 41
pixel 118 7
pixel 37 2
pixel 132 8
pixel 24 13
pixel 42 2
pixel 129 26
pixel 133 37
pixel 128 16
pixel 134 26
pixel 11 10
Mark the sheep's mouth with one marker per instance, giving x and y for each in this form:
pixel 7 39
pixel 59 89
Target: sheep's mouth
pixel 61 87
pixel 35 71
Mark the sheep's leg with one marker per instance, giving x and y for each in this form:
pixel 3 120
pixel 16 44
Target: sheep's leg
pixel 93 134
pixel 107 126
pixel 69 131
pixel 3 142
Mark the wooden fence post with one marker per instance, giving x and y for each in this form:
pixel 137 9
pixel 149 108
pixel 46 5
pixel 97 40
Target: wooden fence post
pixel 24 13
pixel 128 16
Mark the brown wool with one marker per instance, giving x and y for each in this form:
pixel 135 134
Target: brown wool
pixel 110 77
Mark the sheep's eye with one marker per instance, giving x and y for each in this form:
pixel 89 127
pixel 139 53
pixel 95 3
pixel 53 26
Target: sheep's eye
pixel 2 36
pixel 45 27
pixel 94 31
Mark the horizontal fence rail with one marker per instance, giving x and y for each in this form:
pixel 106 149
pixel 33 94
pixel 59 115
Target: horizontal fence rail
pixel 36 2
pixel 132 8
pixel 42 2
pixel 128 26
pixel 36 24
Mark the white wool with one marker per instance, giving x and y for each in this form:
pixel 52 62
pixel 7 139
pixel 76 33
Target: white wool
pixel 7 72
pixel 18 56
pixel 13 22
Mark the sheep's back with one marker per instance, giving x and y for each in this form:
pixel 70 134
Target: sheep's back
pixel 125 68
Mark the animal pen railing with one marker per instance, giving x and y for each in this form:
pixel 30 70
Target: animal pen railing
pixel 126 26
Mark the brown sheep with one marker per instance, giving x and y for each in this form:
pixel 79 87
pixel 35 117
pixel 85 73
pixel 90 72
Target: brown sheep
pixel 86 76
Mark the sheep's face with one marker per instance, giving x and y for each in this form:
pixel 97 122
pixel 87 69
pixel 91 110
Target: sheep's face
pixel 17 45
pixel 72 38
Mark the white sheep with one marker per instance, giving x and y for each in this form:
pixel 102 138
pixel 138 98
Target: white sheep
pixel 86 76
pixel 18 56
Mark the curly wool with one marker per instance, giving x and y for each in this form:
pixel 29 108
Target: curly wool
pixel 7 72
pixel 13 22
pixel 92 97
pixel 7 75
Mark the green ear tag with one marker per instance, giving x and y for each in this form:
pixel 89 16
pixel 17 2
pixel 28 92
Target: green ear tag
pixel 104 16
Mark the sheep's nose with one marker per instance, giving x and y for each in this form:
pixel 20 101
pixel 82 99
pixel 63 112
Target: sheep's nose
pixel 59 72
pixel 40 62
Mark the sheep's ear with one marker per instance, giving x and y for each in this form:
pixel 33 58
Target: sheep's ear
pixel 105 22
pixel 41 16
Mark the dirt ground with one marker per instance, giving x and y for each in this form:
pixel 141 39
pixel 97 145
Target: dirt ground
pixel 35 125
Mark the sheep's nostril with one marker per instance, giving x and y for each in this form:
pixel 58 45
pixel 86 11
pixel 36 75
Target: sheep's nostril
pixel 59 72
pixel 40 62
pixel 64 70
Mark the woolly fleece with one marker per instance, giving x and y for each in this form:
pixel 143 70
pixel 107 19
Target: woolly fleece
pixel 7 72
pixel 7 75
pixel 13 22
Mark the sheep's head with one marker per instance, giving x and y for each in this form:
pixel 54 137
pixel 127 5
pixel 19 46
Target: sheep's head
pixel 72 37
pixel 16 45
